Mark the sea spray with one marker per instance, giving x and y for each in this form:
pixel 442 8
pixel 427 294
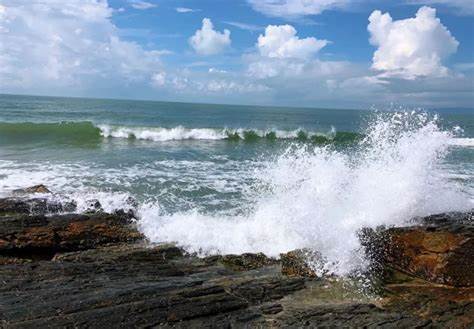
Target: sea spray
pixel 320 197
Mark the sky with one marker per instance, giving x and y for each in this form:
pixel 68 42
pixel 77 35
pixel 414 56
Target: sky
pixel 315 53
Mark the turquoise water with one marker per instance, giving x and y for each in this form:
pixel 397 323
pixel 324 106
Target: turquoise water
pixel 195 167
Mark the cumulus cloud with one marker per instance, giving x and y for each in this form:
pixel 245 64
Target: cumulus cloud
pixel 411 47
pixel 56 45
pixel 141 5
pixel 207 41
pixel 295 8
pixel 280 52
pixel 281 42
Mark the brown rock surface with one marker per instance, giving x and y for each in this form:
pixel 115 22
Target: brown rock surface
pixel 440 250
pixel 296 263
pixel 40 234
pixel 33 189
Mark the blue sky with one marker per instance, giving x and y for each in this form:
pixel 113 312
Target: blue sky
pixel 319 53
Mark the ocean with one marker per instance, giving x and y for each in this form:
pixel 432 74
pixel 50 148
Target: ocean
pixel 230 179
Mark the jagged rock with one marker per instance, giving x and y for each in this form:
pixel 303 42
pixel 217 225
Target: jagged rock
pixel 247 261
pixel 33 189
pixel 17 206
pixel 440 249
pixel 82 271
pixel 348 315
pixel 40 234
pixel 94 206
pixel 295 263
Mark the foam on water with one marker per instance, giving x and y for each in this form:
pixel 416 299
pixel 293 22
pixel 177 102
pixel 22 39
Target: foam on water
pixel 464 142
pixel 319 198
pixel 161 134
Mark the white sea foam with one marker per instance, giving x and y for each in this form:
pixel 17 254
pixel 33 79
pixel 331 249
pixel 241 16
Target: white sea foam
pixel 320 198
pixel 160 134
pixel 464 142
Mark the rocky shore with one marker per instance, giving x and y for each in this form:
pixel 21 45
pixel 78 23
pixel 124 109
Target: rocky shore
pixel 62 269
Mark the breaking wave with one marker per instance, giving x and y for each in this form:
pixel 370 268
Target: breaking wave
pixel 320 197
pixel 83 132
pixel 160 134
pixel 87 132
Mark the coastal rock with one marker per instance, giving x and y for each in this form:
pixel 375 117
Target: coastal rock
pixel 43 235
pixel 32 189
pixel 440 249
pixel 296 263
pixel 247 261
pixel 94 206
pixel 95 270
pixel 23 206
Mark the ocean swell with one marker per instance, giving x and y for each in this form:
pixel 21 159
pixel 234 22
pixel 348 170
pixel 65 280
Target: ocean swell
pixel 86 132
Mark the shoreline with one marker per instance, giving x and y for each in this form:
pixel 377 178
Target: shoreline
pixel 96 269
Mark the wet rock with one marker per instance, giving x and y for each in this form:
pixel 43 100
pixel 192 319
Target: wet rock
pixel 445 306
pixel 94 270
pixel 132 203
pixel 32 189
pixel 134 285
pixel 93 206
pixel 42 235
pixel 247 261
pixel 348 315
pixel 257 291
pixel 440 249
pixel 22 206
pixel 296 263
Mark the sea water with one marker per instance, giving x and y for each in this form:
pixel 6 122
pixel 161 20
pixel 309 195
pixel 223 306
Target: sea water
pixel 232 179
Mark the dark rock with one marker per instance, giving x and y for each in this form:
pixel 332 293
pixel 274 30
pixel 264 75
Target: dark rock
pixel 82 271
pixel 132 203
pixel 348 315
pixel 17 206
pixel 271 308
pixel 258 291
pixel 93 206
pixel 445 306
pixel 246 261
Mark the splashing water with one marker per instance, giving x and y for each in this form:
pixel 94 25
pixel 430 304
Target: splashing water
pixel 319 198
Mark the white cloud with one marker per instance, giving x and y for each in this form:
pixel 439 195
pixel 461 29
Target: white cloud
pixel 245 26
pixel 213 83
pixel 183 10
pixel 281 42
pixel 410 47
pixel 141 5
pixel 54 45
pixel 282 53
pixel 158 79
pixel 295 8
pixel 214 70
pixel 464 7
pixel 208 41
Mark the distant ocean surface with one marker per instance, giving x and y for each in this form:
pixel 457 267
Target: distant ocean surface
pixel 232 179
